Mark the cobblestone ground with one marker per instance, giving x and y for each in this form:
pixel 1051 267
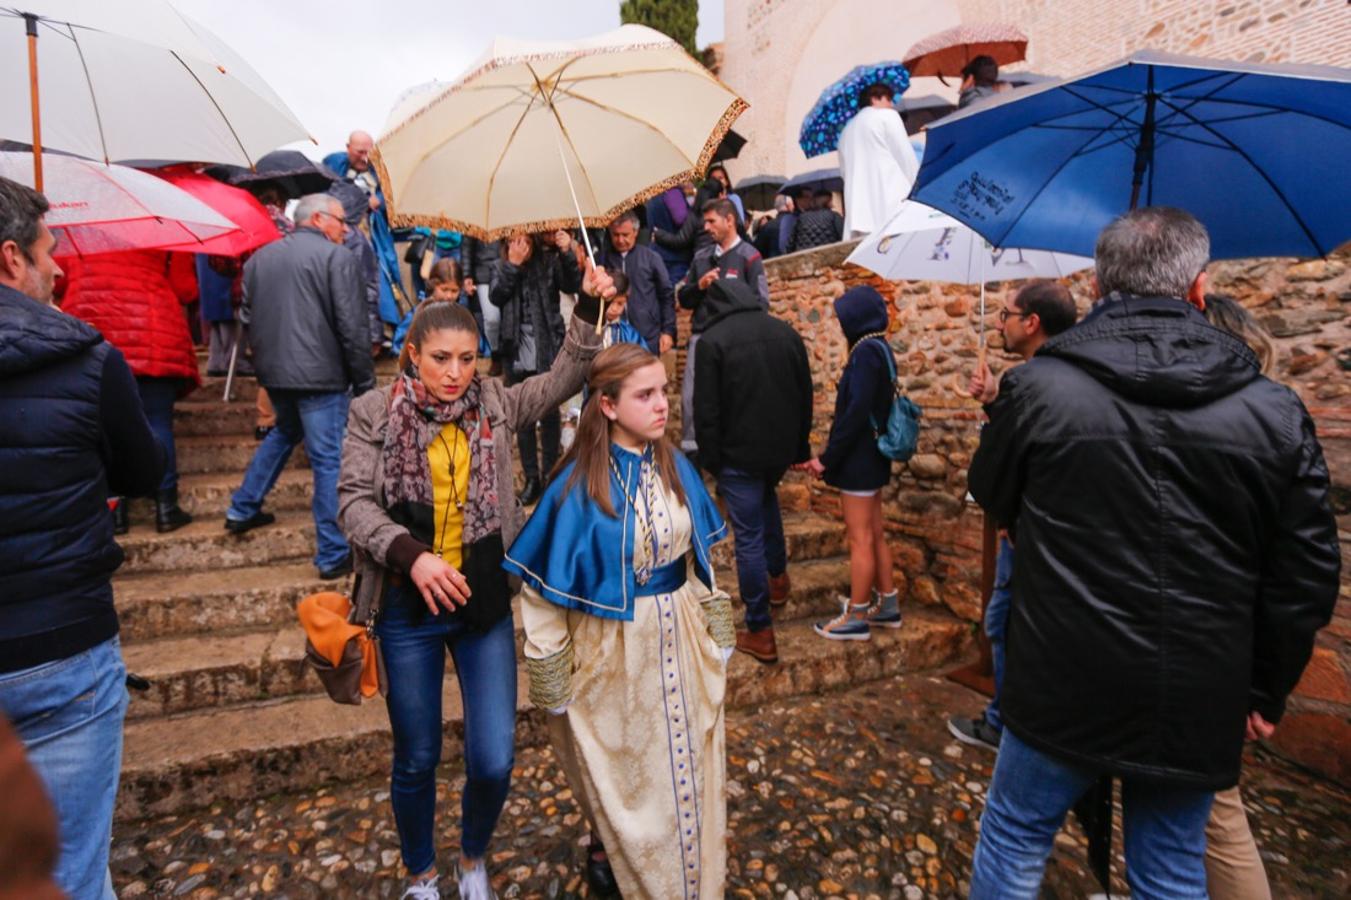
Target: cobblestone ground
pixel 860 795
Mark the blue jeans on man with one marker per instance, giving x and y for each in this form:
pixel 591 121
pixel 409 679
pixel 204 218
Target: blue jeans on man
pixel 752 500
pixel 320 420
pixel 1030 794
pixel 69 713
pixel 413 644
pixel 997 623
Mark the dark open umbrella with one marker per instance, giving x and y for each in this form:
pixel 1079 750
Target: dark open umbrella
pixel 290 170
pixel 918 112
pixel 815 180
pixel 758 191
pixel 730 147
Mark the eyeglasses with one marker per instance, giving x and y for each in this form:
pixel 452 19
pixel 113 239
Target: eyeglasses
pixel 339 219
pixel 1005 314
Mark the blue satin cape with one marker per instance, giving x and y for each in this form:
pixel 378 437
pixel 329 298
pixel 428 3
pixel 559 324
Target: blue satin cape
pixel 579 558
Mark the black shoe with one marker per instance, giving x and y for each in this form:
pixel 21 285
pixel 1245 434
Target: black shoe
pixel 341 569
pixel 530 493
pixel 976 732
pixel 257 520
pixel 261 432
pixel 216 373
pixel 598 872
pixel 121 518
pixel 169 516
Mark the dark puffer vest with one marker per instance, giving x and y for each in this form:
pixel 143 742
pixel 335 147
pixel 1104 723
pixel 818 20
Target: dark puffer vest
pixel 60 385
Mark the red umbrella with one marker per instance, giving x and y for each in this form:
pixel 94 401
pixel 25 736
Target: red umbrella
pixel 948 52
pixel 239 206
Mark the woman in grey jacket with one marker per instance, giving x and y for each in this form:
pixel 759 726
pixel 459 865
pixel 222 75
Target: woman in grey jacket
pixel 426 501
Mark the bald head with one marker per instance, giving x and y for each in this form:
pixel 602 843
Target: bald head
pixel 359 145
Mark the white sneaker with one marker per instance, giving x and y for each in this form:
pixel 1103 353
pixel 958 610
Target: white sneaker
pixel 474 884
pixel 425 889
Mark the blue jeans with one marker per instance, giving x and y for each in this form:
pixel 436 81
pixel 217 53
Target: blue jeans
pixel 1030 793
pixel 69 713
pixel 414 644
pixel 757 526
pixel 157 399
pixel 320 420
pixel 997 623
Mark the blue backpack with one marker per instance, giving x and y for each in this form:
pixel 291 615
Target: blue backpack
pixel 901 435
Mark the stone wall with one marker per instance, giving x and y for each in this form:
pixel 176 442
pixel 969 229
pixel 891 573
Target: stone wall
pixel 936 533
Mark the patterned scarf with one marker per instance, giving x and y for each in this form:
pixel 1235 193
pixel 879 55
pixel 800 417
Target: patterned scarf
pixel 415 419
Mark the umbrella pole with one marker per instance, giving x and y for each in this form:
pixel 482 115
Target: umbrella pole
pixel 1144 152
pixel 234 358
pixel 581 221
pixel 31 22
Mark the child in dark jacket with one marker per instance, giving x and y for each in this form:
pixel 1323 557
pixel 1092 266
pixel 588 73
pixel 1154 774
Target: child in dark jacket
pixel 852 463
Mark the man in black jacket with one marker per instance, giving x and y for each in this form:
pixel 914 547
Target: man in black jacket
pixel 1176 555
pixel 72 431
pixel 753 419
pixel 305 307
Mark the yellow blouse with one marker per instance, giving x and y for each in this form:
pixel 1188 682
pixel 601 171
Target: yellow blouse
pixel 448 459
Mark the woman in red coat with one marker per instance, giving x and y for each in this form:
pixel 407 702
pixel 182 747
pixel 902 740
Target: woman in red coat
pixel 136 299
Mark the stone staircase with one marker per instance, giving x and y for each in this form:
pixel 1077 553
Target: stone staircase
pixel 232 711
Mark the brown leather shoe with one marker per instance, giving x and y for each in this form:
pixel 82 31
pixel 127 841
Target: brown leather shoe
pixel 758 644
pixel 779 588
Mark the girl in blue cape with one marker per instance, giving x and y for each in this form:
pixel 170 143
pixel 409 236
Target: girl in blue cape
pixel 627 637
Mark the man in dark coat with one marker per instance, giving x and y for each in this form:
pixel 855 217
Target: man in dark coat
pixel 72 431
pixel 1176 553
pixel 531 273
pixel 753 419
pixel 305 307
pixel 651 306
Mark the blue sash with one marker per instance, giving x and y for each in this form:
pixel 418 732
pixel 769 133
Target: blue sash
pixel 666 580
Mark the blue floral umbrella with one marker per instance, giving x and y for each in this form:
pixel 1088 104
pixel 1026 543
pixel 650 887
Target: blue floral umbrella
pixel 838 103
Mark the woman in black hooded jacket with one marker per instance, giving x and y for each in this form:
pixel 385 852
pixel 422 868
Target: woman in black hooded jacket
pixel 852 463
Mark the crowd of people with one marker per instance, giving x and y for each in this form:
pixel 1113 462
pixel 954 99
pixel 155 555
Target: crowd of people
pixel 1167 549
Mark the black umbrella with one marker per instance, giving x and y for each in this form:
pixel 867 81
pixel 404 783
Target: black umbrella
pixel 758 191
pixel 917 112
pixel 290 170
pixel 729 148
pixel 815 180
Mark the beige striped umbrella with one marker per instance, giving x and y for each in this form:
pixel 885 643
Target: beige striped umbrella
pixel 947 52
pixel 540 134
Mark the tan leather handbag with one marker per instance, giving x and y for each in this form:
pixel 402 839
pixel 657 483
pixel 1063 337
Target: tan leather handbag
pixel 345 656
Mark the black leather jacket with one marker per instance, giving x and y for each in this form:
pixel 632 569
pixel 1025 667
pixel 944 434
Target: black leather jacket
pixel 1176 551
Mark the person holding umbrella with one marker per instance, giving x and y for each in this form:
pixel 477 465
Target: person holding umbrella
pixel 425 499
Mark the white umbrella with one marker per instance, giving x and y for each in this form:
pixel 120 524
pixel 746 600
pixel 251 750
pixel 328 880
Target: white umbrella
pixel 98 208
pixel 132 79
pixel 540 134
pixel 921 243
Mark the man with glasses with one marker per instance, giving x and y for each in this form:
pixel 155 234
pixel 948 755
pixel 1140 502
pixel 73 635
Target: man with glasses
pixel 305 308
pixel 1038 311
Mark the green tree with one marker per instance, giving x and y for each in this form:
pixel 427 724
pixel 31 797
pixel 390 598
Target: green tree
pixel 677 19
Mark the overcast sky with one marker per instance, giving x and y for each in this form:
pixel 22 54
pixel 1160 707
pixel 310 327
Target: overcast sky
pixel 340 64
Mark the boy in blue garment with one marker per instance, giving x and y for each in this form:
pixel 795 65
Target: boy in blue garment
pixel 618 328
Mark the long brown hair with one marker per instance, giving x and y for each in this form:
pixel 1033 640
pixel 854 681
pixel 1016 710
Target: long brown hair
pixel 436 315
pixel 591 447
pixel 1228 314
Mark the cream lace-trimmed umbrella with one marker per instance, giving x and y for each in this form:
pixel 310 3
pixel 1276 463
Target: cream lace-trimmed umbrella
pixel 540 134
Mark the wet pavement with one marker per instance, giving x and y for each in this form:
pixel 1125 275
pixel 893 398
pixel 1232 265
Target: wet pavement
pixel 856 795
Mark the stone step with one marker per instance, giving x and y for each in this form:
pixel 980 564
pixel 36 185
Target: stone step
pixel 212 453
pixel 208 495
pixel 225 666
pixel 206 546
pixel 214 417
pixel 212 756
pixel 243 390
